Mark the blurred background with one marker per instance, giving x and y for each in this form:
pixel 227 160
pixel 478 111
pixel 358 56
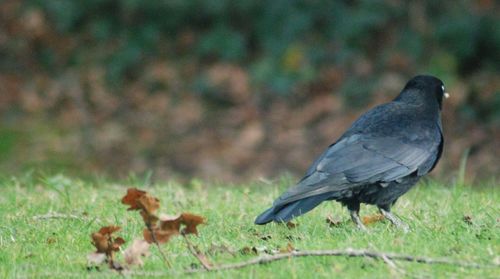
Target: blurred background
pixel 234 90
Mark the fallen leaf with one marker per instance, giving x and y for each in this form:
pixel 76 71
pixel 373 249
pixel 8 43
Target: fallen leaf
pixel 171 225
pixel 116 243
pixel 143 201
pixel 161 236
pixel 370 219
pixel 168 222
pixel 132 198
pixel 106 245
pixel 333 222
pixel 104 242
pixel 100 242
pixel 136 251
pixel 191 221
pixel 468 219
pixel 149 219
pixel 109 230
pixel 148 203
pixel 291 225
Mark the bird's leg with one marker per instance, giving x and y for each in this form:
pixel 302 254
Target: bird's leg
pixel 353 207
pixel 386 211
pixel 355 218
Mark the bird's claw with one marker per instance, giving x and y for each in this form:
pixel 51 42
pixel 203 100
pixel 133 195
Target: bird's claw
pixel 395 221
pixel 361 227
pixel 355 218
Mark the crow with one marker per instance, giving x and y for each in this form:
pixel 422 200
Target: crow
pixel 378 159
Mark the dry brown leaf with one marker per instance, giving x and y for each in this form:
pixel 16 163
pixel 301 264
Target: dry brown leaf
pixel 171 222
pixel 116 243
pixel 161 236
pixel 370 219
pixel 191 221
pixel 132 198
pixel 109 230
pixel 149 219
pixel 332 221
pixel 135 252
pixel 148 203
pixel 468 219
pixel 171 225
pixel 143 201
pixel 291 225
pixel 104 242
pixel 100 242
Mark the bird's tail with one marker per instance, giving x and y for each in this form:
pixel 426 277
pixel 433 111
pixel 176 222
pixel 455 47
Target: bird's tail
pixel 286 212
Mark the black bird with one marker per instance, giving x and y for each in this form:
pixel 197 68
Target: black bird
pixel 378 159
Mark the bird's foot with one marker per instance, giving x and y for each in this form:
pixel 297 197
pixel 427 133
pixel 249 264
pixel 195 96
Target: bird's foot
pixel 355 218
pixel 395 220
pixel 361 227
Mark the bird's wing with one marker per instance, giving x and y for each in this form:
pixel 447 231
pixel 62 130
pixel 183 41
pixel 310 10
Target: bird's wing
pixel 355 160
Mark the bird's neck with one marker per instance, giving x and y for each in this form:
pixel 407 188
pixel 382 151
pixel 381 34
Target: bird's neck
pixel 421 102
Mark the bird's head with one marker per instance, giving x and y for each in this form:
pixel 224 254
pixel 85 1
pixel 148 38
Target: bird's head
pixel 425 89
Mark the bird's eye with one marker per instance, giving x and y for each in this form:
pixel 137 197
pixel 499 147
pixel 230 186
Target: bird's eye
pixel 442 87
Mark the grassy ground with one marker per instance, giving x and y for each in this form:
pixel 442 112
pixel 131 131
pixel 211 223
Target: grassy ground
pixel 57 247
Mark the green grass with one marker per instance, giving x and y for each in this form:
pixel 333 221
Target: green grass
pixel 31 247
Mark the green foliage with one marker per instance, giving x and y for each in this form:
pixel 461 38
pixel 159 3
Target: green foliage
pixel 136 84
pixel 123 34
pixel 7 142
pixel 357 91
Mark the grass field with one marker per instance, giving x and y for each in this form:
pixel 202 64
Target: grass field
pixel 34 243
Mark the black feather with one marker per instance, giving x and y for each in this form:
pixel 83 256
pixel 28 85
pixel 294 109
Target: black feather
pixel 378 159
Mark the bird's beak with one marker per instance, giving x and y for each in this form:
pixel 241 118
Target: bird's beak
pixel 446 95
